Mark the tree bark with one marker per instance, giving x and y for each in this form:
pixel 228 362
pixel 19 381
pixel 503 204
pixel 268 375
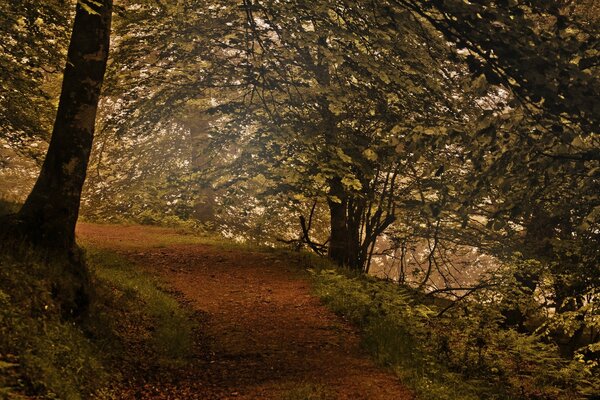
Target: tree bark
pixel 46 222
pixel 338 242
pixel 48 217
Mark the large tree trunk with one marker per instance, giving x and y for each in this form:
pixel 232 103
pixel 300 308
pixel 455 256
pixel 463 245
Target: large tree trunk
pixel 48 217
pixel 338 241
pixel 46 222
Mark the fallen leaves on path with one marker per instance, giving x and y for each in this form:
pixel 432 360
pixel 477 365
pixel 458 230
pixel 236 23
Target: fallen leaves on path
pixel 262 334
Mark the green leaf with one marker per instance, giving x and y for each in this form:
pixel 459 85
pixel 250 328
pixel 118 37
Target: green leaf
pixel 88 4
pixel 351 183
pixel 335 199
pixel 343 156
pixel 370 155
pixel 6 365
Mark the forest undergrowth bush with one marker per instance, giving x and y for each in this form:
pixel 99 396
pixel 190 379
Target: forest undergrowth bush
pixel 461 352
pixel 44 355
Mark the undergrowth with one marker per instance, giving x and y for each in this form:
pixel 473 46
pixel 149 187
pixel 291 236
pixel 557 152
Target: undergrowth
pixel 131 320
pixel 41 353
pixel 150 218
pixel 461 354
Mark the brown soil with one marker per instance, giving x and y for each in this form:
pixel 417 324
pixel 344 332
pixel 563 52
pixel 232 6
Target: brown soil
pixel 263 334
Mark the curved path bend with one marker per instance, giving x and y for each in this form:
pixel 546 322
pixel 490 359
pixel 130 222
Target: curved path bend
pixel 264 334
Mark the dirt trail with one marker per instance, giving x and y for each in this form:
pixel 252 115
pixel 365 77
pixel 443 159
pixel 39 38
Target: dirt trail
pixel 265 333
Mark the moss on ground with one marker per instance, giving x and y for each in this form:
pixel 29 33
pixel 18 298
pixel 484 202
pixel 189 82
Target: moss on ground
pixel 43 355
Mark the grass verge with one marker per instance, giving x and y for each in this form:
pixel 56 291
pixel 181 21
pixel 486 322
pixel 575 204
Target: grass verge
pixel 41 354
pixel 171 325
pixel 132 322
pixel 461 354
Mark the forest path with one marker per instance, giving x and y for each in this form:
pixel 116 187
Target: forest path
pixel 265 336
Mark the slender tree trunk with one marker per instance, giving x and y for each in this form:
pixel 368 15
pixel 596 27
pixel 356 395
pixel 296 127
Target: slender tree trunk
pixel 356 260
pixel 48 217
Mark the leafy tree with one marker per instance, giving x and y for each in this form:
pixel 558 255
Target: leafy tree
pixel 420 122
pixel 324 95
pixel 536 169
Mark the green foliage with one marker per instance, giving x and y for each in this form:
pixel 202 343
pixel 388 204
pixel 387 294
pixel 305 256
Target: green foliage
pixel 143 180
pixel 544 52
pixel 151 217
pixel 454 353
pixel 33 54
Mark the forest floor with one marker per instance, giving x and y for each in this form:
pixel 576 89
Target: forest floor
pixel 261 333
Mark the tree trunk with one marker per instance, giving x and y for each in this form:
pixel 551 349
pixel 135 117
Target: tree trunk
pixel 205 201
pixel 356 259
pixel 338 242
pixel 46 222
pixel 48 217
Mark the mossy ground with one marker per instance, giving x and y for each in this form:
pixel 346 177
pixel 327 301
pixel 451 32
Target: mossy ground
pixel 42 354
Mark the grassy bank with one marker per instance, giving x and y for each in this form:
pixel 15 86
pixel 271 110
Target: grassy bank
pixel 461 353
pixel 171 328
pixel 44 355
pixel 39 353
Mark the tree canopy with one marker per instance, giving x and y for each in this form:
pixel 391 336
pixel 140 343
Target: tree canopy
pixel 435 141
